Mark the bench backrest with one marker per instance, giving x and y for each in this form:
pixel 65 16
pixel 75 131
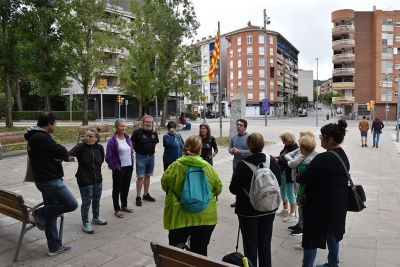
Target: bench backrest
pixel 168 256
pixel 13 205
pixel 12 137
pixel 83 129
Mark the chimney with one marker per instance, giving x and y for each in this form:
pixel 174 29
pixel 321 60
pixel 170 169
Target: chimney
pixel 209 37
pixel 203 38
pixel 249 23
pixel 198 40
pixel 374 8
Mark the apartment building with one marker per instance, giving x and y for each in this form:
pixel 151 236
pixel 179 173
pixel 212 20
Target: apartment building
pixel 366 51
pixel 248 71
pixel 306 83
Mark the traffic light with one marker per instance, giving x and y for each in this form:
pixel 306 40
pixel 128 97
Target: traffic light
pixel 122 100
pixel 380 83
pixel 119 99
pixel 372 104
pixel 368 107
pixel 102 84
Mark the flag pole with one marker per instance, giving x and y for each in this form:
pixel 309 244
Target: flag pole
pixel 219 86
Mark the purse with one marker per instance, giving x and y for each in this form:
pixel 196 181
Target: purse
pixel 356 192
pixel 236 258
pixel 28 173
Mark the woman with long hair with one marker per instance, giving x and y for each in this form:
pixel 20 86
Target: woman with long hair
pixel 208 143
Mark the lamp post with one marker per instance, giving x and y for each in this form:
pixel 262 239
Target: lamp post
pixel 316 89
pixel 387 96
pixel 202 90
pixel 398 106
pixel 266 22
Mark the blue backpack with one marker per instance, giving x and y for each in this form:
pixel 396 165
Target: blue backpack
pixel 196 191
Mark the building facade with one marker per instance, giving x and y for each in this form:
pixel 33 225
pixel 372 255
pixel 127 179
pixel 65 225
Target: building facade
pixel 260 73
pixel 366 51
pixel 306 83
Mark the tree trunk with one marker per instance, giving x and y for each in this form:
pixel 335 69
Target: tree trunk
pixel 140 116
pixel 18 96
pixel 176 103
pixel 47 105
pixel 85 102
pixel 9 121
pixel 165 112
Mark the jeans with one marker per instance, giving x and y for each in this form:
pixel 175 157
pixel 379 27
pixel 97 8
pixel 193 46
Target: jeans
pixel 333 254
pixel 144 165
pixel 375 140
pixel 257 235
pixel 188 126
pixel 57 200
pixel 199 237
pixel 88 194
pixel 121 183
pixel 210 161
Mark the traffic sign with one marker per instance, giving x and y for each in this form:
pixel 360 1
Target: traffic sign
pixel 387 108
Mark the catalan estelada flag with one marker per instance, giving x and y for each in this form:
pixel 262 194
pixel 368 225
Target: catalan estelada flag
pixel 215 57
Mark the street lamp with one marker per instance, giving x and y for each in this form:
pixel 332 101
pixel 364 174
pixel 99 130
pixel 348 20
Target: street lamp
pixel 387 96
pixel 398 106
pixel 266 22
pixel 202 90
pixel 316 89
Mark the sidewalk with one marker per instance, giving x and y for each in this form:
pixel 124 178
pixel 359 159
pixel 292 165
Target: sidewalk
pixel 372 236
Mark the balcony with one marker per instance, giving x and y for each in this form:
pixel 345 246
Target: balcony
pixel 343 58
pixel 342 28
pixel 279 99
pixel 215 80
pixel 343 71
pixel 343 85
pixel 280 68
pixel 290 91
pixel 343 99
pixel 280 78
pixel 280 56
pixel 343 43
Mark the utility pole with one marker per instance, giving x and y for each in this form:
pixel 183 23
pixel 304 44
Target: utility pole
pixel 398 106
pixel 266 22
pixel 387 96
pixel 316 89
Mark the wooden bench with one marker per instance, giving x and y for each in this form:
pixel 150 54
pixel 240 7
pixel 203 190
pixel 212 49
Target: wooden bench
pixel 104 130
pixel 169 256
pixel 11 139
pixel 14 206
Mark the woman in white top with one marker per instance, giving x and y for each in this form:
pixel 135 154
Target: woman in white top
pixel 120 159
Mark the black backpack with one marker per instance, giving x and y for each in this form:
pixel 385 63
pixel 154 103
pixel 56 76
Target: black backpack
pixel 235 258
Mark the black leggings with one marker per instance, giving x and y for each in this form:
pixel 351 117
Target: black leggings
pixel 199 237
pixel 121 183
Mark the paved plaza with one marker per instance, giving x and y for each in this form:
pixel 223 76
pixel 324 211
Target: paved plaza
pixel 372 236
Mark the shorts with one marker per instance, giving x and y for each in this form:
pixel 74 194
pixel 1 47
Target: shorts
pixel 364 134
pixel 144 165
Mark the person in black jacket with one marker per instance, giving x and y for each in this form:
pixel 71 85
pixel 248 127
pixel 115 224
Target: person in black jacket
pixel 90 155
pixel 45 156
pixel 256 226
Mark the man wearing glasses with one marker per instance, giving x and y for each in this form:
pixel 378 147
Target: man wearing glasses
pixel 238 147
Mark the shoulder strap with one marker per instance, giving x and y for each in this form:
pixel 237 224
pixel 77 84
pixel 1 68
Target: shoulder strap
pixel 341 160
pixel 267 161
pixel 251 166
pixel 102 151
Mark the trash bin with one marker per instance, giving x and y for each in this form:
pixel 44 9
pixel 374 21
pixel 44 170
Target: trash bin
pixel 327 116
pixel 355 115
pixel 350 116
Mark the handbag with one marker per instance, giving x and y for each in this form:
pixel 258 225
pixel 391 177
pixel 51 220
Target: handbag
pixel 236 258
pixel 356 192
pixel 28 173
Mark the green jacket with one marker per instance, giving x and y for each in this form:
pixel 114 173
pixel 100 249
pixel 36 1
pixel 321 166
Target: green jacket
pixel 175 215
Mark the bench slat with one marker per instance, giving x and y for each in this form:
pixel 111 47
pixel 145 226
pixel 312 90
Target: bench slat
pixel 12 133
pixel 168 262
pixel 10 203
pixel 16 214
pixel 9 195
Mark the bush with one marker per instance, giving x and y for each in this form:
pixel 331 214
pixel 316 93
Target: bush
pixel 62 115
pixel 192 116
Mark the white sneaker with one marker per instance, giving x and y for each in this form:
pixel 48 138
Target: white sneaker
pixel 283 213
pixel 290 219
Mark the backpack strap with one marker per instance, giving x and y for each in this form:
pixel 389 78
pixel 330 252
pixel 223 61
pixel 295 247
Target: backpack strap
pixel 250 165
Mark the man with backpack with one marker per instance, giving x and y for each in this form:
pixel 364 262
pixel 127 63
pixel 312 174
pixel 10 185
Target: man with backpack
pixel 256 225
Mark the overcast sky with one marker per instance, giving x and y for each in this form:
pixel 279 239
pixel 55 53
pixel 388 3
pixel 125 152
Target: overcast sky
pixel 306 24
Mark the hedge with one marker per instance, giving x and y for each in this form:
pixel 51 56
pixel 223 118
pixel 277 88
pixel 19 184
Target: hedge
pixel 62 115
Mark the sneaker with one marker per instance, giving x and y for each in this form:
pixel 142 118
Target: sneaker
pixel 87 228
pixel 299 247
pixel 40 222
pixel 365 145
pixel 362 146
pixel 373 145
pixel 298 231
pixel 376 146
pixel 148 198
pixel 138 201
pixel 290 219
pixel 62 249
pixel 283 213
pixel 294 227
pixel 99 221
pixel 322 265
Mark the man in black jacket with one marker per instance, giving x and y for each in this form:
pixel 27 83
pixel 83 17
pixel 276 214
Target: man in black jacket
pixel 45 156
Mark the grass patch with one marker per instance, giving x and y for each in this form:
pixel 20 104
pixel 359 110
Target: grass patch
pixel 226 141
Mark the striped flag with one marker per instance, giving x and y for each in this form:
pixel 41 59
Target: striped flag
pixel 214 59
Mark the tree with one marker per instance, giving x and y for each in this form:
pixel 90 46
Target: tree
pixel 328 96
pixel 9 53
pixel 95 35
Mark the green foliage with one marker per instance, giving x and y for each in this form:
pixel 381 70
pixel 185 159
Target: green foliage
pixel 3 104
pixel 328 96
pixel 77 105
pixel 298 101
pixel 62 115
pixel 192 116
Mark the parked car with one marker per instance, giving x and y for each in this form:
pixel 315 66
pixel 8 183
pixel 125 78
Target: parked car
pixel 339 110
pixel 302 112
pixel 212 114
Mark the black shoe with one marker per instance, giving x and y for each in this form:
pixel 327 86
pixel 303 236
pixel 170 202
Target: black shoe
pixel 148 198
pixel 294 227
pixel 40 222
pixel 362 146
pixel 297 231
pixel 365 145
pixel 138 201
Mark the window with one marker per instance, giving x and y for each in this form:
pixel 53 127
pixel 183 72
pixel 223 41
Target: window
pixel 239 63
pixel 387 66
pixel 261 62
pixel 397 38
pixel 261 84
pixel 397 66
pixel 271 51
pixel 230 54
pixel 249 50
pixel 261 38
pixel 205 50
pixel 387 24
pixel 239 85
pixel 271 85
pixel 249 73
pixel 230 64
pixel 397 23
pixel 250 85
pixel 250 96
pixel 239 40
pixel 261 50
pixel 271 96
pixel 387 38
pixel 387 80
pixel 386 95
pixel 261 73
pixel 249 62
pixel 239 74
pixel 261 95
pixel 205 59
pixel 205 71
pixel 387 52
pixel 231 75
pixel 271 40
pixel 239 52
pixel 231 85
pixel 249 39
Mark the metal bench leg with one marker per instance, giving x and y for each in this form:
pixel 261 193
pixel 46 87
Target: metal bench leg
pixel 1 151
pixel 60 233
pixel 21 236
